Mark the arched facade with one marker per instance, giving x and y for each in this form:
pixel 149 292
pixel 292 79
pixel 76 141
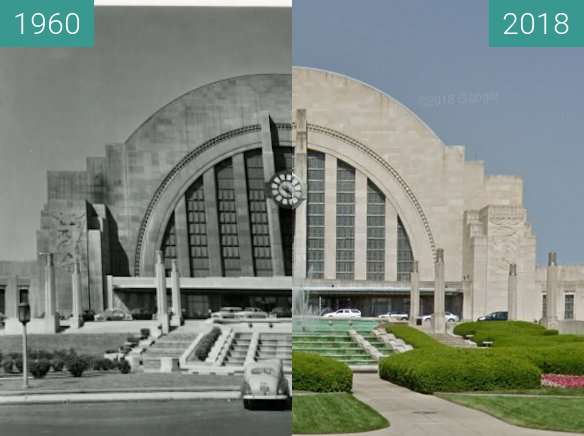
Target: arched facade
pixel 432 198
pixel 190 182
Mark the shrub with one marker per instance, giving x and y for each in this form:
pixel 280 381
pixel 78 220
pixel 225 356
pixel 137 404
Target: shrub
pixel 18 364
pixel 203 348
pixel 58 364
pixel 7 366
pixel 77 365
pixel 413 336
pixel 551 332
pixel 315 373
pixel 102 364
pixel 40 354
pixel 124 366
pixel 144 333
pixel 40 367
pixel 443 369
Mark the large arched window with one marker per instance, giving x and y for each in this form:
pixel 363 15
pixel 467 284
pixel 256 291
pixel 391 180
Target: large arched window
pixel 229 217
pixel 343 180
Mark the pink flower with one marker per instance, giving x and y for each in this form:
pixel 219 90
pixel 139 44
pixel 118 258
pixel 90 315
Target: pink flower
pixel 562 381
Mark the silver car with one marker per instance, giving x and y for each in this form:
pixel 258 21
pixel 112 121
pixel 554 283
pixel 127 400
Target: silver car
pixel 264 381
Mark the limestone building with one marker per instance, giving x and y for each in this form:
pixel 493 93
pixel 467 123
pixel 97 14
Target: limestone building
pixel 230 190
pixel 188 183
pixel 384 194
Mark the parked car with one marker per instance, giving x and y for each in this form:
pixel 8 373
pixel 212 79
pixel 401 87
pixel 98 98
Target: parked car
pixel 394 316
pixel 141 313
pixel 88 315
pixel 226 312
pixel 251 312
pixel 113 315
pixel 450 317
pixel 281 312
pixel 344 314
pixel 264 381
pixel 495 316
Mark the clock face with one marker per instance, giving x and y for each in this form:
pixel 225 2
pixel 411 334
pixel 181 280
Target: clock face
pixel 286 189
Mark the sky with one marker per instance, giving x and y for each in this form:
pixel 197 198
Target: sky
pixel 518 109
pixel 59 106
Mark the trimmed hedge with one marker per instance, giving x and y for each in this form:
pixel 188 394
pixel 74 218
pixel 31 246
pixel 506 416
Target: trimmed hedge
pixel 514 334
pixel 443 369
pixel 413 336
pixel 40 367
pixel 315 373
pixel 203 348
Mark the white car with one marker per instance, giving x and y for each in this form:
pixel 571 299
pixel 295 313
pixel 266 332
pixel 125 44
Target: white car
pixel 394 316
pixel 251 312
pixel 344 314
pixel 226 313
pixel 264 381
pixel 450 317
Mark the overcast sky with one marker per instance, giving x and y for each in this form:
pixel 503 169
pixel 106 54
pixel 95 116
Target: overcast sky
pixel 59 106
pixel 520 110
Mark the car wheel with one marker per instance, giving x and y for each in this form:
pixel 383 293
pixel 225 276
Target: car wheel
pixel 247 404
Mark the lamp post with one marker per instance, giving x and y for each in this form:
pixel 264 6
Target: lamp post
pixel 24 318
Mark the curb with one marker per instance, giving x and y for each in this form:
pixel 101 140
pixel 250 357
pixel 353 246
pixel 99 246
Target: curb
pixel 104 397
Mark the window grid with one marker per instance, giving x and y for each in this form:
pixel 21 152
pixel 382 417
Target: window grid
pixel 169 245
pixel 345 221
pixel 405 257
pixel 569 306
pixel 227 211
pixel 375 233
pixel 544 306
pixel 258 215
pixel 197 230
pixel 315 216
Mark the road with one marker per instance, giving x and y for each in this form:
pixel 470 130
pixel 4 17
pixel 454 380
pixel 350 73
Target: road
pixel 145 418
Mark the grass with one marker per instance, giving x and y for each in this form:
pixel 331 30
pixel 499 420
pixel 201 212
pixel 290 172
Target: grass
pixel 514 334
pixel 115 381
pixel 82 343
pixel 557 414
pixel 333 413
pixel 413 336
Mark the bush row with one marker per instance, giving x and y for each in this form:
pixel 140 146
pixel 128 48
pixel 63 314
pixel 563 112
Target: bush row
pixel 203 348
pixel 443 369
pixel 74 363
pixel 315 373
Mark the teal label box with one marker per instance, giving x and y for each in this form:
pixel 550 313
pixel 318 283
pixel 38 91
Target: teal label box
pixel 536 23
pixel 46 23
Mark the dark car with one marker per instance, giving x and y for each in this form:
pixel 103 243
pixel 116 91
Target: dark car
pixel 495 316
pixel 141 313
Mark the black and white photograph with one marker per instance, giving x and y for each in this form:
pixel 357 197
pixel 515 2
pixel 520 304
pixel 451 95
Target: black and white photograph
pixel 146 226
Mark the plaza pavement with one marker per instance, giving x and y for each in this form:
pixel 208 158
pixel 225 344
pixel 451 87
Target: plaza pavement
pixel 413 414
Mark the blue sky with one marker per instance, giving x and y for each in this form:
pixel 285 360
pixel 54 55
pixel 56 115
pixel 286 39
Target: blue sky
pixel 520 110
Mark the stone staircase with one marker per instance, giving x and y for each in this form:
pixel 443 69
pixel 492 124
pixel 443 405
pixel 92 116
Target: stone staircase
pixel 452 340
pixel 275 346
pixel 238 350
pixel 171 346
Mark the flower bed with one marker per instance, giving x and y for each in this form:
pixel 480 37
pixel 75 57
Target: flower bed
pixel 562 381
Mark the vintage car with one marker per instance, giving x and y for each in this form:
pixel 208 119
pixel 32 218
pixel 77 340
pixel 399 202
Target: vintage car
pixel 226 313
pixel 264 381
pixel 113 315
pixel 251 312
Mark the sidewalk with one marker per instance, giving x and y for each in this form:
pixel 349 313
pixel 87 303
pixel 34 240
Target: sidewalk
pixel 93 397
pixel 413 414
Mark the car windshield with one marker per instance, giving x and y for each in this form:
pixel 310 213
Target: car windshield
pixel 259 371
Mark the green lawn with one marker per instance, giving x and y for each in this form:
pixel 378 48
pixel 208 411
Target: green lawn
pixel 333 413
pixel 115 381
pixel 87 343
pixel 544 413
